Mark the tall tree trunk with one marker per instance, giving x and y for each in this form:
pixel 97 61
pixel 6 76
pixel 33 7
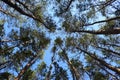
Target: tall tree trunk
pixel 117 70
pixel 72 68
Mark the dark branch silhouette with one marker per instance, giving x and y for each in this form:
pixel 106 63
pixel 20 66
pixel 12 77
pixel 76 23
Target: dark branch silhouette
pixel 15 6
pixel 108 32
pixel 113 52
pixel 107 20
pixel 67 8
pixel 27 66
pixel 117 70
pixel 7 13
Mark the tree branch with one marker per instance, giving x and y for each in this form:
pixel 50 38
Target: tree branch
pixel 27 66
pixel 108 32
pixel 7 13
pixel 107 20
pixel 107 4
pixel 72 68
pixel 24 5
pixel 67 8
pixel 113 52
pixel 16 7
pixel 108 71
pixel 117 70
pixel 23 12
pixel 5 64
pixel 115 45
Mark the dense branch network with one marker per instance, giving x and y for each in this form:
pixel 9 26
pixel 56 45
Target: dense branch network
pixel 75 74
pixel 27 66
pixel 109 31
pixel 17 8
pixel 117 70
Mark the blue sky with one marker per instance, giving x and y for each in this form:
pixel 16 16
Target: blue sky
pixel 47 58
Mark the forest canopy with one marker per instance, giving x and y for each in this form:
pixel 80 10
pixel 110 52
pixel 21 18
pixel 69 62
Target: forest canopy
pixel 59 40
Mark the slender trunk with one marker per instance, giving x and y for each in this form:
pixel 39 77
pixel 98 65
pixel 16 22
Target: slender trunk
pixel 27 66
pixel 117 70
pixel 72 68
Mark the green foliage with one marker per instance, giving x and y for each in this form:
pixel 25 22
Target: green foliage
pixel 69 42
pixel 90 64
pixel 90 13
pixel 108 26
pixel 1 27
pixel 54 49
pixel 89 59
pixel 66 25
pixel 42 65
pixel 41 54
pixel 4 76
pixel 59 73
pixel 38 11
pixel 58 41
pixel 100 76
pixel 41 70
pixel 28 75
pixel 118 62
pixel 86 39
pixel 62 54
pixel 76 63
pixel 77 21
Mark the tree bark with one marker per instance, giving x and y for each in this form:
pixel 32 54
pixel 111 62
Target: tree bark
pixel 17 8
pixel 27 66
pixel 107 20
pixel 72 68
pixel 117 70
pixel 107 32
